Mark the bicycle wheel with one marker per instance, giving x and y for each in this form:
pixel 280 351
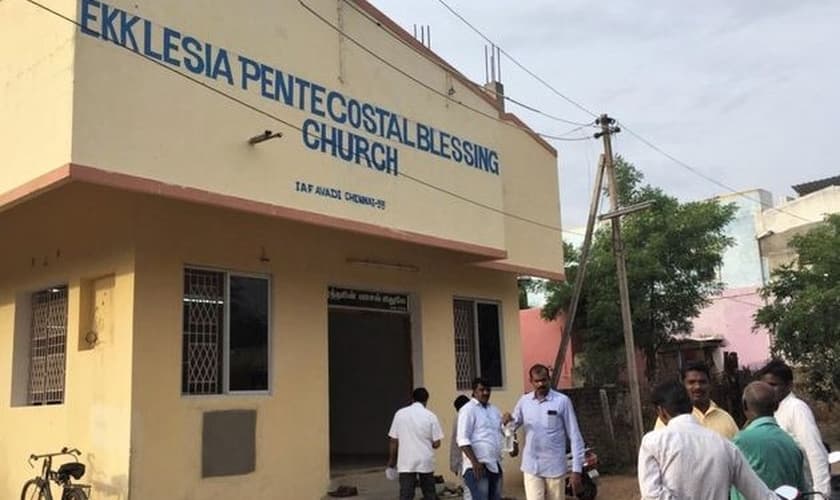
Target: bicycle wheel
pixel 34 490
pixel 74 494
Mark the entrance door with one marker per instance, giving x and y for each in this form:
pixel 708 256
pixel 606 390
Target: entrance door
pixel 370 378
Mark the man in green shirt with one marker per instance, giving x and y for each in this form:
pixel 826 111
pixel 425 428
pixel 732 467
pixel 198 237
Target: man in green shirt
pixel 770 451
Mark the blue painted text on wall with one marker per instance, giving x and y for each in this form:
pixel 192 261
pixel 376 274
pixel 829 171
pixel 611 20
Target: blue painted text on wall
pixel 339 195
pixel 180 50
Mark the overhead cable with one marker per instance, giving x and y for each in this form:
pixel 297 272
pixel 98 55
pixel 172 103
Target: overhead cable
pixel 517 63
pixel 271 116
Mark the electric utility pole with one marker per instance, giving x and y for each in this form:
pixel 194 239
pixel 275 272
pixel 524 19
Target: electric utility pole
pixel 607 129
pixel 571 310
pixel 606 166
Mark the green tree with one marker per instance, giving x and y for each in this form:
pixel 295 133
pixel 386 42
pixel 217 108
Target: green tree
pixel 527 284
pixel 803 315
pixel 673 251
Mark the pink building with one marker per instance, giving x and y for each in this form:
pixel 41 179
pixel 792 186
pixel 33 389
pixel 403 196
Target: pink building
pixel 730 316
pixel 540 342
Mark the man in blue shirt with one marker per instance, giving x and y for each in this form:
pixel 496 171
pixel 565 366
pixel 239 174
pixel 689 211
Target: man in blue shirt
pixel 770 451
pixel 549 419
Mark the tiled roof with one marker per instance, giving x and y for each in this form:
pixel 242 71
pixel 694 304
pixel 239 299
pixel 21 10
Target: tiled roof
pixel 810 187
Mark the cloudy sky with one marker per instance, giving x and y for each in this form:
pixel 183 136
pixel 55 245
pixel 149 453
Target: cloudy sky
pixel 746 91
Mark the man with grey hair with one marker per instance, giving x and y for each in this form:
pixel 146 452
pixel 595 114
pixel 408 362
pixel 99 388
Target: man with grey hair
pixel 770 451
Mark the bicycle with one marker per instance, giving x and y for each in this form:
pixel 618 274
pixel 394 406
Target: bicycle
pixel 38 488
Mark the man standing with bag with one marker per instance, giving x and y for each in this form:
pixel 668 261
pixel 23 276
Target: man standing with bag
pixel 549 419
pixel 415 434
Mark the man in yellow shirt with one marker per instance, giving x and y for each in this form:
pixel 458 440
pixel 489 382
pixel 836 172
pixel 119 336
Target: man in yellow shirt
pixel 697 380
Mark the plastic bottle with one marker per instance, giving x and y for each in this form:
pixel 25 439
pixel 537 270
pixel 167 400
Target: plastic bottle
pixel 508 431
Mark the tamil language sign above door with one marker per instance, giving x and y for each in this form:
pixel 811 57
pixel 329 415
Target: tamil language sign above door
pixel 367 299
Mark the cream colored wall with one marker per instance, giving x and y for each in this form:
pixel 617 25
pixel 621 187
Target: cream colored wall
pixel 531 193
pixel 146 121
pixel 135 117
pixel 165 428
pixel 813 207
pixel 776 227
pixel 293 422
pixel 36 90
pixel 94 257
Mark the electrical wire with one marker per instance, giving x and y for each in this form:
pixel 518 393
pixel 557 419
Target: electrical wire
pixel 624 126
pixel 564 135
pixel 543 113
pixel 699 173
pixel 733 299
pixel 569 139
pixel 409 76
pixel 516 62
pixel 446 67
pixel 572 131
pixel 266 114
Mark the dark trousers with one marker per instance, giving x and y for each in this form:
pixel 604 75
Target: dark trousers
pixel 408 482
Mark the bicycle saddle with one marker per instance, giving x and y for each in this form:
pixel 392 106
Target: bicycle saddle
pixel 73 469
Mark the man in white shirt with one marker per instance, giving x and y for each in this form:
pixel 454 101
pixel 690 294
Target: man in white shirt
pixel 480 439
pixel 415 434
pixel 549 419
pixel 686 461
pixel 797 419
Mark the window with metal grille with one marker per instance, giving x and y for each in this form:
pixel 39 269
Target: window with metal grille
pixel 48 346
pixel 225 332
pixel 478 351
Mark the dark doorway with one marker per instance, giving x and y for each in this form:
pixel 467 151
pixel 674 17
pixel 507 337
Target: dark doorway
pixel 370 378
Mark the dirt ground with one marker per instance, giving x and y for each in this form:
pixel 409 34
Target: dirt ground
pixel 619 487
pixel 622 486
pixel 372 485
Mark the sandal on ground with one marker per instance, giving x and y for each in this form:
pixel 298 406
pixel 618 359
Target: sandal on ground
pixel 344 491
